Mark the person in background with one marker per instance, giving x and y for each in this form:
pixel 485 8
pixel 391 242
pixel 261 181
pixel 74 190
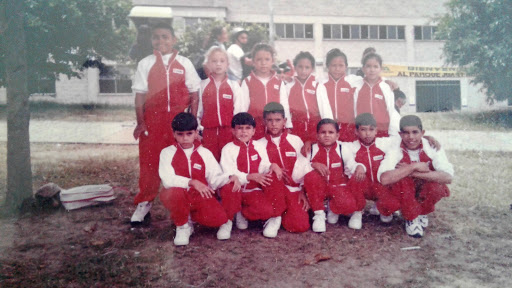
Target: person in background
pixel 400 99
pixel 236 54
pixel 142 46
pixel 218 36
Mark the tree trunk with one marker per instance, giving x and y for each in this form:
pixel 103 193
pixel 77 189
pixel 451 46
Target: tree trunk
pixel 19 170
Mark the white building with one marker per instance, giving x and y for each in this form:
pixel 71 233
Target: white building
pixel 402 32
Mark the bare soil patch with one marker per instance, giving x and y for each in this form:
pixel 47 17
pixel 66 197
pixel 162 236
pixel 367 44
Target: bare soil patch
pixel 467 244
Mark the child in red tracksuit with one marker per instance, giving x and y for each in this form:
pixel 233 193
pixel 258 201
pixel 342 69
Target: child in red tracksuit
pixel 326 179
pixel 340 92
pixel 189 189
pixel 418 175
pixel 219 100
pixel 165 84
pixel 374 96
pixel 283 149
pixel 370 151
pixel 308 100
pixel 263 195
pixel 263 86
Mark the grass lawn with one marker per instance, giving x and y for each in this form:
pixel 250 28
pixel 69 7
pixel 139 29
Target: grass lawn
pixel 495 120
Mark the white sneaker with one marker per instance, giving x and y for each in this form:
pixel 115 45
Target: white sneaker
pixel 272 227
pixel 423 220
pixel 373 210
pixel 241 222
pixel 141 211
pixel 414 228
pixel 386 219
pixel 332 218
pixel 183 233
pixel 224 232
pixel 319 221
pixel 356 220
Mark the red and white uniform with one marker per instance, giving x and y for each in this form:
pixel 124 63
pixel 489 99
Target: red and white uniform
pixel 167 81
pixel 371 157
pixel 308 105
pixel 377 100
pixel 341 99
pixel 334 186
pixel 285 152
pixel 218 102
pixel 415 196
pixel 258 92
pixel 255 202
pixel 182 200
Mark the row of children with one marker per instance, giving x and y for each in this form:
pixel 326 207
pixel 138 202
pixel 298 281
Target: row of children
pixel 166 84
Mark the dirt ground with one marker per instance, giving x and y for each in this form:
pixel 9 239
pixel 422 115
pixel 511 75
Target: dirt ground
pixel 464 246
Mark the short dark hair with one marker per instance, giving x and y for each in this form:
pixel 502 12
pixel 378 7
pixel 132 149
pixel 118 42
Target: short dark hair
pixel 399 94
pixel 163 25
pixel 410 120
pixel 304 55
pixel 333 53
pixel 184 122
pixel 327 121
pixel 372 56
pixel 365 119
pixel 273 107
pixel 243 118
pixel 262 46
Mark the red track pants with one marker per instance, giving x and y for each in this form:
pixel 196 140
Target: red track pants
pixel 215 138
pixel 341 199
pixel 418 197
pixel 295 219
pixel 256 205
pixel 182 203
pixel 386 202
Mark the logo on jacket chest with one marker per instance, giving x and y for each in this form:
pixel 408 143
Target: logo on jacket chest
pixel 378 157
pixel 291 154
pixel 254 157
pixel 227 96
pixel 177 71
pixel 346 90
pixel 378 96
pixel 310 91
pixel 197 166
pixel 336 165
pixel 276 86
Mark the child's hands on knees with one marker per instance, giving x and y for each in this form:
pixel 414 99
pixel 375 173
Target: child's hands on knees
pixel 205 191
pixel 236 183
pixel 359 174
pixel 262 179
pixel 304 200
pixel 320 168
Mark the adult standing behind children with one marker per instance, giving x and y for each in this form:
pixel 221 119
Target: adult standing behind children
pixel 165 84
pixel 236 54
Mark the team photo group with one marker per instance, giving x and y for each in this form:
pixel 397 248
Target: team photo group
pixel 287 149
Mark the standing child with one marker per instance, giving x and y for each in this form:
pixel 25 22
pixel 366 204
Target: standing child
pixel 165 84
pixel 374 96
pixel 326 179
pixel 263 86
pixel 283 149
pixel 418 175
pixel 307 99
pixel 219 100
pixel 189 189
pixel 263 195
pixel 340 92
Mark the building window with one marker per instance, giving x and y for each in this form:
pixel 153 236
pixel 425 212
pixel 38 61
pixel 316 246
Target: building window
pixel 381 32
pixel 296 31
pixel 424 32
pixel 112 81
